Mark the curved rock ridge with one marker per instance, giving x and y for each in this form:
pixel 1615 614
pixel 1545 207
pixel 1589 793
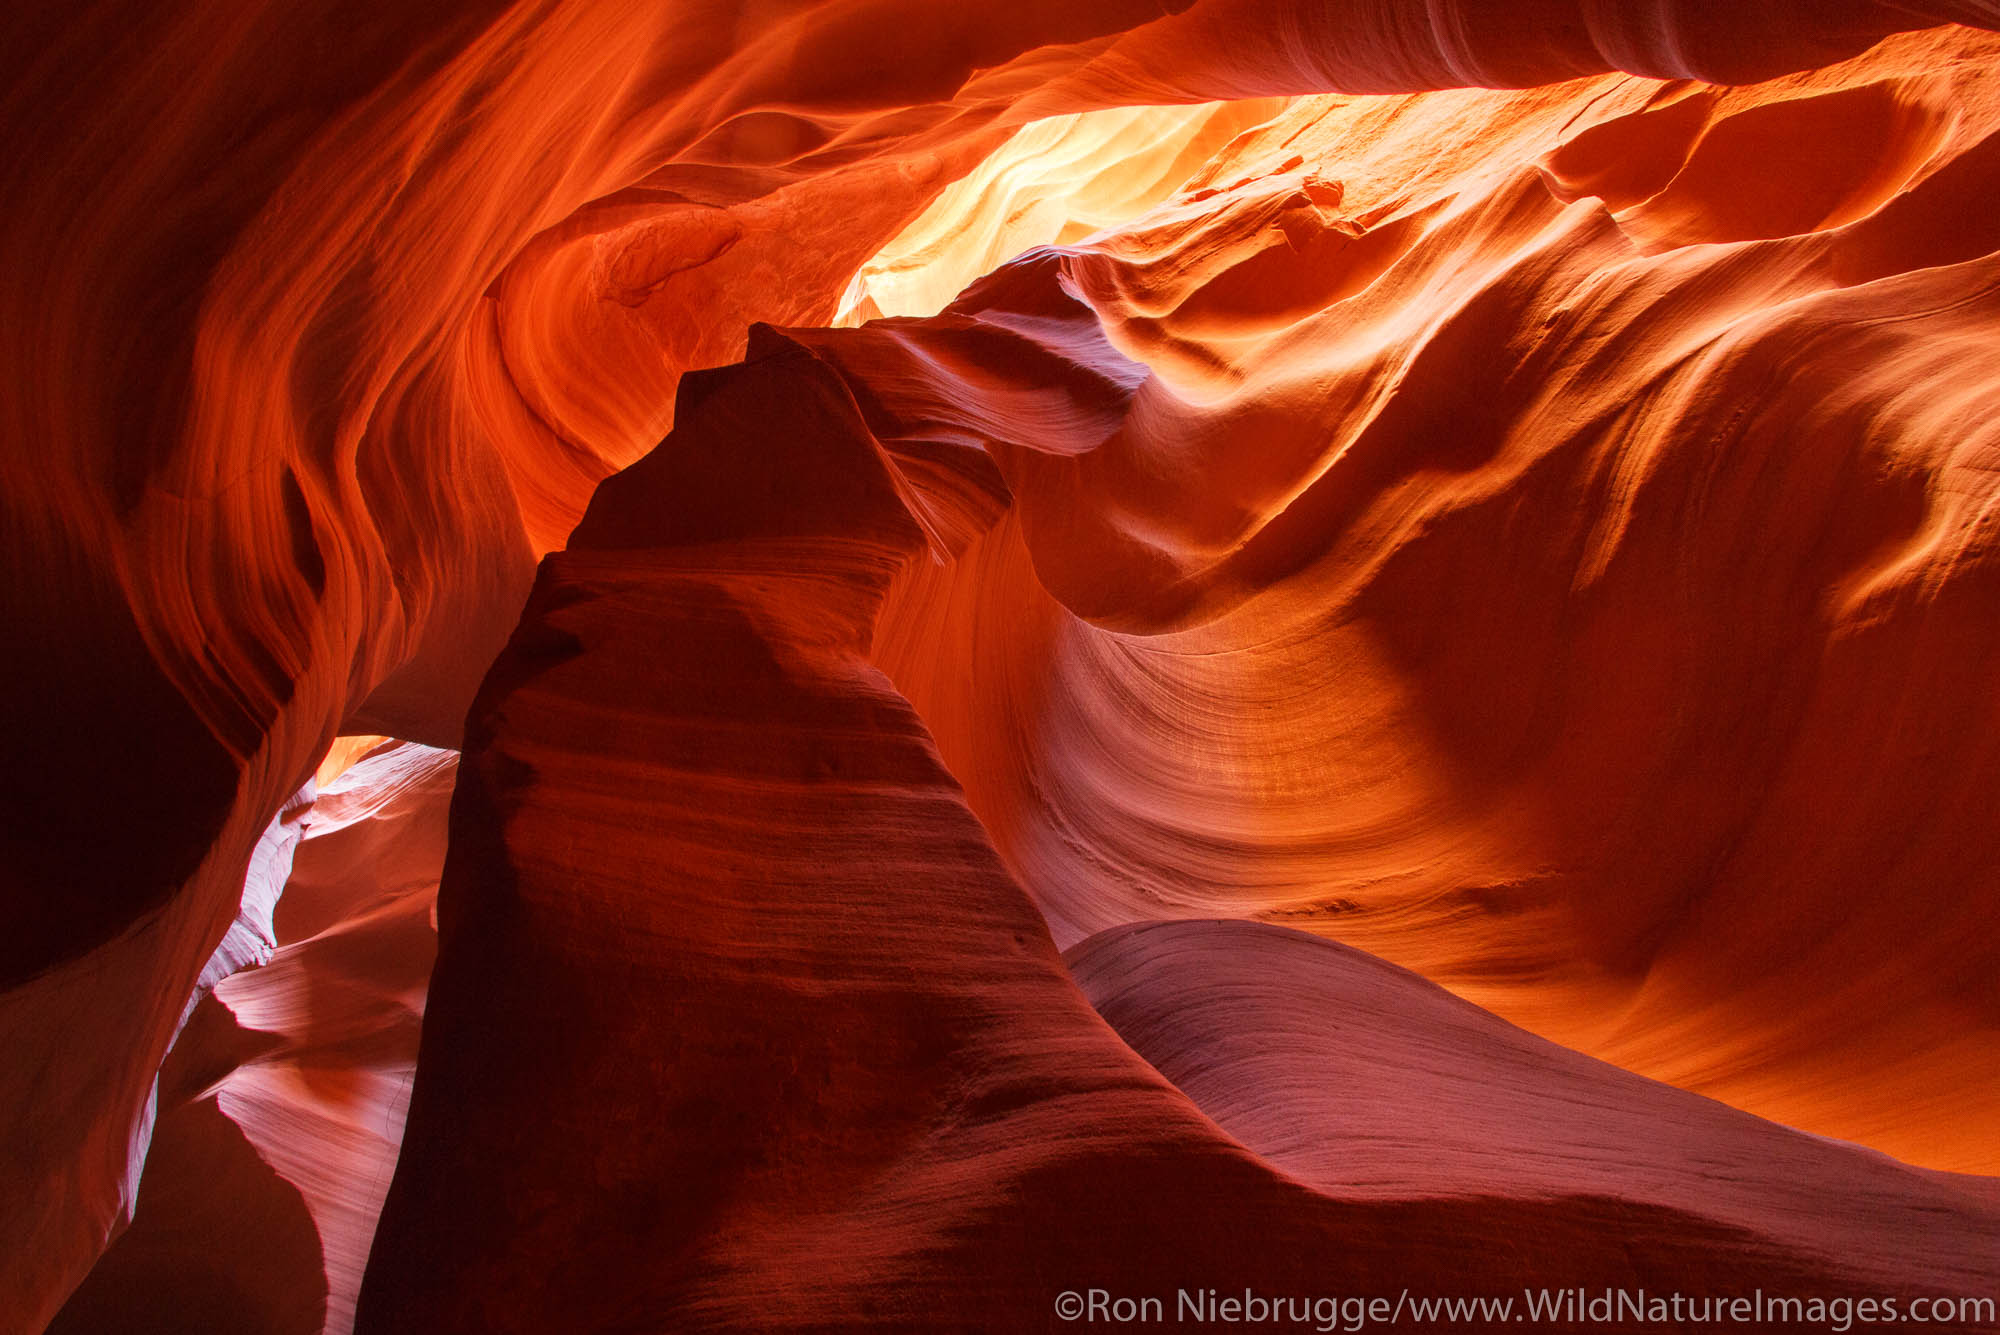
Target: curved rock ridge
pixel 282 1101
pixel 1055 181
pixel 322 322
pixel 1366 1081
pixel 798 1053
pixel 1437 556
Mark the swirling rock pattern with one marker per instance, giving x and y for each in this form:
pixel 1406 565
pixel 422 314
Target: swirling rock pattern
pixel 283 1099
pixel 1367 1081
pixel 1588 621
pixel 1544 538
pixel 801 1055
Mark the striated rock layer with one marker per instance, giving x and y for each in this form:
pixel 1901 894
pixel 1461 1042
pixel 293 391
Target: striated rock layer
pixel 1506 541
pixel 1544 538
pixel 282 1102
pixel 1368 1082
pixel 798 1053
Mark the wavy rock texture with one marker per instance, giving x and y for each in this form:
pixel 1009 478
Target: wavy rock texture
pixel 1056 181
pixel 717 922
pixel 1440 559
pixel 1542 538
pixel 1368 1082
pixel 284 1096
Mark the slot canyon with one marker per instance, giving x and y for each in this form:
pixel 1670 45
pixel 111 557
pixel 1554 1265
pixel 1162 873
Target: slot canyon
pixel 834 665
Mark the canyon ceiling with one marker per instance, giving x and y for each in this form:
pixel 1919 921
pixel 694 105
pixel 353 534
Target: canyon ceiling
pixel 835 664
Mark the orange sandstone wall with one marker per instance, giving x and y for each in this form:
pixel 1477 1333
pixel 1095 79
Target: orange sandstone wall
pixel 321 323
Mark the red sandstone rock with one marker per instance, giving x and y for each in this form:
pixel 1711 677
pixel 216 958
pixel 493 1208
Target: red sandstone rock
pixel 286 1090
pixel 1544 538
pixel 796 1051
pixel 1367 1082
pixel 1588 622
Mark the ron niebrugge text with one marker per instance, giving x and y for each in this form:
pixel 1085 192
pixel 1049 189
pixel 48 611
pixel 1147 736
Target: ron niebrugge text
pixel 1567 1306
